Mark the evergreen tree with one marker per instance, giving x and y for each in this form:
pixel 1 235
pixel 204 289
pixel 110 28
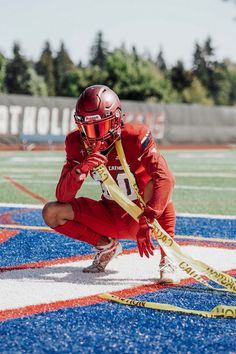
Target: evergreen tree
pixel 211 73
pixel 99 51
pixel 135 54
pixel 2 72
pixel 17 78
pixel 231 74
pixel 180 78
pixel 45 68
pixel 62 65
pixel 160 62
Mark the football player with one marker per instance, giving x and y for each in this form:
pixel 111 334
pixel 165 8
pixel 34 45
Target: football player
pixel 99 120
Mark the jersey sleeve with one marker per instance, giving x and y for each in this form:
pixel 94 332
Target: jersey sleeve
pixel 162 177
pixel 69 182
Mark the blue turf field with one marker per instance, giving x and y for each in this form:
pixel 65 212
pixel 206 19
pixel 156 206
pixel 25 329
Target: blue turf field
pixel 111 328
pixel 205 183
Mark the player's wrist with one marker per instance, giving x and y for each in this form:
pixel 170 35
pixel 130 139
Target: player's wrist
pixel 150 214
pixel 78 174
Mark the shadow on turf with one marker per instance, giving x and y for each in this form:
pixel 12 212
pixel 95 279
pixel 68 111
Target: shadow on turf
pixel 72 275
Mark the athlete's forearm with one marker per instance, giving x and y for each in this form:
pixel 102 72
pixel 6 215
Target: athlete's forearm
pixel 163 183
pixel 69 184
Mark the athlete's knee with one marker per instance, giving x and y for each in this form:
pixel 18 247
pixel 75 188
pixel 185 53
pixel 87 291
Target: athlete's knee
pixel 55 213
pixel 49 213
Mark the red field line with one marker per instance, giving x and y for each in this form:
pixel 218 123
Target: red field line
pixel 5 235
pixel 6 218
pixel 85 301
pixel 25 190
pixel 88 300
pixel 52 262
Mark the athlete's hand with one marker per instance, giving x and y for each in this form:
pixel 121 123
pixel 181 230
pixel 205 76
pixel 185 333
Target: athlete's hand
pixel 90 162
pixel 144 241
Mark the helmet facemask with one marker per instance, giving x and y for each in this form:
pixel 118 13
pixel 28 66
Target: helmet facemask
pixel 100 132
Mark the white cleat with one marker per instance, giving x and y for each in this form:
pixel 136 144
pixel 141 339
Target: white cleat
pixel 103 256
pixel 168 272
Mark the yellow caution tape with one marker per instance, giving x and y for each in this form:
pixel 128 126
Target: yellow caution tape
pixel 193 268
pixel 218 311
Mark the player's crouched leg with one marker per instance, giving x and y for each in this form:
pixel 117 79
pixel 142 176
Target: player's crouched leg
pixel 55 213
pixel 61 218
pixel 168 270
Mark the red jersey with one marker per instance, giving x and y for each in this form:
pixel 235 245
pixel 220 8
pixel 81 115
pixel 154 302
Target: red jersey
pixel 144 160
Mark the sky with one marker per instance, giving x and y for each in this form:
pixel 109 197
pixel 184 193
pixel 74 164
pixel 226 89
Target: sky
pixel 173 25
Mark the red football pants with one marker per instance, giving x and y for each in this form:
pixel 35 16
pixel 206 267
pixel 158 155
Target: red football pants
pixel 93 219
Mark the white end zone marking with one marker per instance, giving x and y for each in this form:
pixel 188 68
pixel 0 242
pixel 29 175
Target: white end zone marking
pixel 66 281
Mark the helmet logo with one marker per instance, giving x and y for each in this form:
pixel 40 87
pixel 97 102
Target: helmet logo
pixel 107 114
pixel 92 118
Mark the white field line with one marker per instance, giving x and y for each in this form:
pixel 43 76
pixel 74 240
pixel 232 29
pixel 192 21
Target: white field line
pixel 205 174
pixel 202 155
pixel 36 159
pixel 56 170
pixel 182 237
pixel 31 181
pixel 207 216
pixel 93 183
pixel 206 188
pixel 21 169
pixel 187 215
pixel 20 205
pixel 37 181
pixel 61 282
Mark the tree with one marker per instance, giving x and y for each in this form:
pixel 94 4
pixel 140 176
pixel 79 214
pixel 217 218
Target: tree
pixel 180 78
pixel 17 77
pixel 70 82
pixel 75 81
pixel 62 64
pixel 45 68
pixel 196 93
pixel 231 75
pixel 99 51
pixel 212 74
pixel 38 85
pixel 2 72
pixel 134 78
pixel 160 62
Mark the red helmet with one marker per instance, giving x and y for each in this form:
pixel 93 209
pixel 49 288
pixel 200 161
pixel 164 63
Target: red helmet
pixel 98 116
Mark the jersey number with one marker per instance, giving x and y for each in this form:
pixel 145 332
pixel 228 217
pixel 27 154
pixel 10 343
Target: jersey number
pixel 124 186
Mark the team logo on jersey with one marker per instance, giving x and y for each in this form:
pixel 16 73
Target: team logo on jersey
pixel 115 168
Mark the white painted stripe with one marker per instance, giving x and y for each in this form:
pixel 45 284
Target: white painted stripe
pixel 207 216
pixel 67 281
pixel 36 159
pixel 32 176
pixel 207 188
pixel 31 181
pixel 35 181
pixel 21 169
pixel 205 174
pixel 202 155
pixel 94 183
pixel 20 205
pixel 187 215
